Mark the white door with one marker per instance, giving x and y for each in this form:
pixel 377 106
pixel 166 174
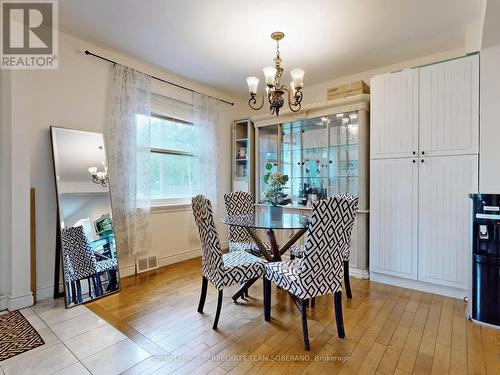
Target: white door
pixel 394 115
pixel 449 107
pixel 393 217
pixel 444 244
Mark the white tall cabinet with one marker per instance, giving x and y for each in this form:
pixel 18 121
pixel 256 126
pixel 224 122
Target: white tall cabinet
pixel 424 163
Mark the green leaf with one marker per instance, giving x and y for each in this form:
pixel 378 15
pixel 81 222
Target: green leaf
pixel 269 166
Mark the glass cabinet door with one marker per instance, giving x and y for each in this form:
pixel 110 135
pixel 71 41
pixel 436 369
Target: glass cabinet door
pixel 343 153
pixel 305 159
pixel 319 155
pixel 268 153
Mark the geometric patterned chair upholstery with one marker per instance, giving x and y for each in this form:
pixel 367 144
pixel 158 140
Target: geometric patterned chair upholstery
pixel 235 267
pixel 320 269
pixel 240 203
pixel 297 251
pixel 79 258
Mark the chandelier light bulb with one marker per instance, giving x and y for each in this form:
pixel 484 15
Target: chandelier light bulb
pixel 269 73
pixel 253 83
pixel 297 77
pixel 292 88
pixel 92 170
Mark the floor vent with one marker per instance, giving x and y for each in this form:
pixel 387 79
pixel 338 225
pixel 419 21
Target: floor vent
pixel 146 263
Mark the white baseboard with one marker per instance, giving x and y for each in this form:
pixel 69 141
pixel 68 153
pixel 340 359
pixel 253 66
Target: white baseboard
pixel 359 273
pixel 179 257
pixel 127 271
pixel 418 285
pixel 46 292
pixel 4 302
pixel 17 302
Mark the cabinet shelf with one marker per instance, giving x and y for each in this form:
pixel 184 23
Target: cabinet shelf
pixel 243 167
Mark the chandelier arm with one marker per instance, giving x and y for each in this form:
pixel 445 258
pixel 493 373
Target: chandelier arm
pixel 298 99
pixel 252 102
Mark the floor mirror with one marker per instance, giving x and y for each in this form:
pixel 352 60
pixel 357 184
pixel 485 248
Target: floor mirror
pixel 86 246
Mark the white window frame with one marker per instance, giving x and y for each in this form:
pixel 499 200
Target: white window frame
pixel 171 204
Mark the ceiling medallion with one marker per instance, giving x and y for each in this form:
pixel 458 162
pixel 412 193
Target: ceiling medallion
pixel 274 89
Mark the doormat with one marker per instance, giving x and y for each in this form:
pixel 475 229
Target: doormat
pixel 16 335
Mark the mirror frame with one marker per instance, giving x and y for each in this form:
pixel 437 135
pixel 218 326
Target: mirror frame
pixel 59 265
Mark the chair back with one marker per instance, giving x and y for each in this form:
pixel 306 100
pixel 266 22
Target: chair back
pixel 78 257
pixel 321 268
pixel 239 203
pixel 212 264
pixel 346 251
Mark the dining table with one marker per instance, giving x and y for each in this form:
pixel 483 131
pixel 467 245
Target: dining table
pixel 263 219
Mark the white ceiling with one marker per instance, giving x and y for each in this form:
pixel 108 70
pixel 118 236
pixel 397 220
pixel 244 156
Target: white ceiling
pixel 221 42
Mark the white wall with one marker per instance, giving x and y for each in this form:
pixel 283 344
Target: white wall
pixel 75 96
pixel 5 178
pixel 489 155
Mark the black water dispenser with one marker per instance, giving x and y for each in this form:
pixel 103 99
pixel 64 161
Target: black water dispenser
pixel 486 258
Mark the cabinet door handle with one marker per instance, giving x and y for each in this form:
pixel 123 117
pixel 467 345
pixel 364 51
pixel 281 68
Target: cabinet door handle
pixel 423 153
pixel 414 152
pixel 422 160
pixel 414 161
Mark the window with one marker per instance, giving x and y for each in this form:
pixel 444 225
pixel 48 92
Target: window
pixel 174 163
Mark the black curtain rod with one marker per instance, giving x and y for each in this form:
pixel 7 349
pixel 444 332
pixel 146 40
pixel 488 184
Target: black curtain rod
pixel 87 52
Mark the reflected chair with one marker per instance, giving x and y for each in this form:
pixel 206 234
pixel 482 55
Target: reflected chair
pixel 240 203
pixel 297 251
pixel 235 267
pixel 319 271
pixel 80 262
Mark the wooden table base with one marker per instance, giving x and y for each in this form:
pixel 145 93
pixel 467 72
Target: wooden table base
pixel 273 256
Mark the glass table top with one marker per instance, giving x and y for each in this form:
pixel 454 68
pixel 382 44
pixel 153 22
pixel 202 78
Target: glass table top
pixel 262 219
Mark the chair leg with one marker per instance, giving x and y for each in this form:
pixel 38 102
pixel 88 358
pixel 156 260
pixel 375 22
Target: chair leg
pixel 79 291
pixel 203 296
pixel 338 314
pixel 267 300
pixel 90 289
pixel 303 312
pixel 98 283
pixel 347 282
pixel 313 302
pixel 72 292
pixel 217 314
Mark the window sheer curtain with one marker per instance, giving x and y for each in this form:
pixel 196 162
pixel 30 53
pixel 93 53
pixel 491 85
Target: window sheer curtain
pixel 206 120
pixel 128 142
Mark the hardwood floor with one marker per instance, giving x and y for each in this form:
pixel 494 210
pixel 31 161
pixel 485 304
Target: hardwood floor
pixel 389 330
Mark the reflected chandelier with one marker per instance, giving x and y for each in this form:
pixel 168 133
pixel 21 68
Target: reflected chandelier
pixel 99 177
pixel 274 89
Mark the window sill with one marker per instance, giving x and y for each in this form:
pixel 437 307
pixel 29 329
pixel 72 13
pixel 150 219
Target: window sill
pixel 170 207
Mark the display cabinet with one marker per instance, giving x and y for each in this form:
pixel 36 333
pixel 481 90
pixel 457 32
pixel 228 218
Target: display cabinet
pixel 243 162
pixel 324 149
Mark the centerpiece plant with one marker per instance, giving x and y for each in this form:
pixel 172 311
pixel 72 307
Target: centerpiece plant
pixel 274 194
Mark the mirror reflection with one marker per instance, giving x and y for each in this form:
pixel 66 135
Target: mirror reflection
pixel 88 249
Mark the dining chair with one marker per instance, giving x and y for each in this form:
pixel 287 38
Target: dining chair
pixel 297 251
pixel 319 271
pixel 80 261
pixel 222 270
pixel 240 203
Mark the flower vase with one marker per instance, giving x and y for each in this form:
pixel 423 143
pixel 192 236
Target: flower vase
pixel 275 212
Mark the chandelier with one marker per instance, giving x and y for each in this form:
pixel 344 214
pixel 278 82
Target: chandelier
pixel 99 177
pixel 274 89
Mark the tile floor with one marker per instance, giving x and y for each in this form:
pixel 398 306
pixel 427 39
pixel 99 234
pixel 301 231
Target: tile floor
pixel 76 342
